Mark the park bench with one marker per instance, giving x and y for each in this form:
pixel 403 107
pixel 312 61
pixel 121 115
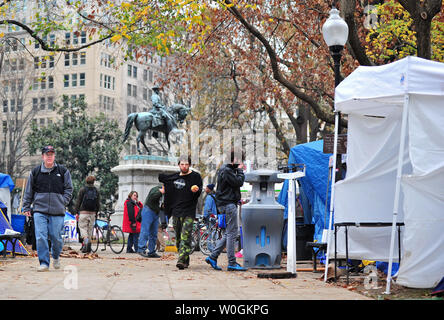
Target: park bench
pixel 12 238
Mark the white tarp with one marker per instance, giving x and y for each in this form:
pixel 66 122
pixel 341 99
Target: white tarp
pixel 373 97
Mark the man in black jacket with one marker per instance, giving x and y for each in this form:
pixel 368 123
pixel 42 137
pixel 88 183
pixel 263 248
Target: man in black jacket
pixel 230 178
pixel 182 191
pixel 87 206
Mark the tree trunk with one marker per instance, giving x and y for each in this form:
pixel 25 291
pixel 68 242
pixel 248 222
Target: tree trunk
pixel 422 15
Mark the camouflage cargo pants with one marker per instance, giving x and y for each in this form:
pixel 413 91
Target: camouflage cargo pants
pixel 183 227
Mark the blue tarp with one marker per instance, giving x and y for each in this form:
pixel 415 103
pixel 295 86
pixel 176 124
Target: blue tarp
pixel 6 181
pixel 313 186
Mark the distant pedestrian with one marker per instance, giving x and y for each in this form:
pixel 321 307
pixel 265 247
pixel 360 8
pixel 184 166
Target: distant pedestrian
pixel 230 177
pixel 163 224
pixel 150 222
pixel 131 207
pixel 87 206
pixel 210 208
pixel 182 190
pixel 48 192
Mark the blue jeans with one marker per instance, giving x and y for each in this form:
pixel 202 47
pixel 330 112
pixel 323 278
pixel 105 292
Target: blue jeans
pixel 133 239
pixel 148 230
pixel 48 227
pixel 229 237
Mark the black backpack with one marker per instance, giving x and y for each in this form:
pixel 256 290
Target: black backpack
pixel 89 199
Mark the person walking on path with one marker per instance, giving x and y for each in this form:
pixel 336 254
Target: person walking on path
pixel 150 222
pixel 182 191
pixel 48 191
pixel 230 178
pixel 131 207
pixel 87 206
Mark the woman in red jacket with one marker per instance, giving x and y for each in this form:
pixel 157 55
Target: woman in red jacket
pixel 131 207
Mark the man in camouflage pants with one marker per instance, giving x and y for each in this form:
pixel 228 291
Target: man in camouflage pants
pixel 182 190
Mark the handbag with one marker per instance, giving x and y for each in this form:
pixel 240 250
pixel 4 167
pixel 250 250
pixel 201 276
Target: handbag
pixel 221 220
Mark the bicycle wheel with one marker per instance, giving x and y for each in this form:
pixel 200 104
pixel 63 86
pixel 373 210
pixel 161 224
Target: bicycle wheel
pixel 95 239
pixel 116 239
pixel 203 243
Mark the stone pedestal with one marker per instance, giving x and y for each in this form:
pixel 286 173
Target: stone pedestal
pixel 139 173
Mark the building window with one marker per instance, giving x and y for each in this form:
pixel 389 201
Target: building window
pixel 82 79
pixel 19 105
pixel 66 80
pixel 67 38
pixel 74 80
pixel 83 37
pixel 35 104
pixel 51 40
pixel 51 61
pixel 82 57
pixel 50 103
pixel 145 75
pixel 145 94
pixel 43 83
pixel 66 59
pixel 43 62
pixel 42 103
pixel 50 82
pixel 35 85
pixel 12 105
pixel 36 62
pixel 74 59
pixel 5 106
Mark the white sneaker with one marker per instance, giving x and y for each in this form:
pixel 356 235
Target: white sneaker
pixel 56 263
pixel 42 268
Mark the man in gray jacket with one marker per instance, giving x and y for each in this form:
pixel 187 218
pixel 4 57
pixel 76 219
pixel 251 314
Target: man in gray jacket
pixel 48 191
pixel 230 178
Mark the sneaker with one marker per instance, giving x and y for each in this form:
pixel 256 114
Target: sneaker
pixel 153 255
pixel 236 267
pixel 180 265
pixel 213 263
pixel 42 268
pixel 239 254
pixel 56 263
pixel 143 254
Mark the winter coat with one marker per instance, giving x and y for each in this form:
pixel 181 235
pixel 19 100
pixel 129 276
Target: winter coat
pixel 229 181
pixel 129 216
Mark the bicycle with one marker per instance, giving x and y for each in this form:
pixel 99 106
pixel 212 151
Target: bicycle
pixel 113 237
pixel 196 234
pixel 210 237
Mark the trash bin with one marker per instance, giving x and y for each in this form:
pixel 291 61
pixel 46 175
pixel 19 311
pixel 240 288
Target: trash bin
pixel 18 222
pixel 304 234
pixel 262 222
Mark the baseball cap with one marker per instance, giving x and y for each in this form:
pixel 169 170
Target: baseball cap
pixel 210 186
pixel 47 149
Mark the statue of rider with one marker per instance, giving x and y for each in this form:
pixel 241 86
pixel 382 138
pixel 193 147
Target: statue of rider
pixel 158 112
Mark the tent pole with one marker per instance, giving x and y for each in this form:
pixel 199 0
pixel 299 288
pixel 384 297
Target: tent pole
pixel 332 195
pixel 291 230
pixel 405 112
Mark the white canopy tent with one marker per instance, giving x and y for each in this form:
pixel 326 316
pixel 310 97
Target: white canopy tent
pixel 395 167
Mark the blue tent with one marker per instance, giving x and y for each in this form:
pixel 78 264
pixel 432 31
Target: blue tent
pixel 314 195
pixel 6 181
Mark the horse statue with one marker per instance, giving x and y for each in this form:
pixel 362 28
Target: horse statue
pixel 175 113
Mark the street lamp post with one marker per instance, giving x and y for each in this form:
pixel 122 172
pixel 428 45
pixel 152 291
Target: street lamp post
pixel 335 32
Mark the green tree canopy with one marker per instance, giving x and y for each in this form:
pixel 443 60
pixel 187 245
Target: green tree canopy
pixel 85 145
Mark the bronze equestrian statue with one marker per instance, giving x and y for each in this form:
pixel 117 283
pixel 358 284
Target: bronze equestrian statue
pixel 158 119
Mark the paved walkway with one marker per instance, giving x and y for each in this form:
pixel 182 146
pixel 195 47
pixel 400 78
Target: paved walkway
pixel 132 277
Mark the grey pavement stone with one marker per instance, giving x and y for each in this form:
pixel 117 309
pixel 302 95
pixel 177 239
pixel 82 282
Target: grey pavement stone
pixel 131 277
